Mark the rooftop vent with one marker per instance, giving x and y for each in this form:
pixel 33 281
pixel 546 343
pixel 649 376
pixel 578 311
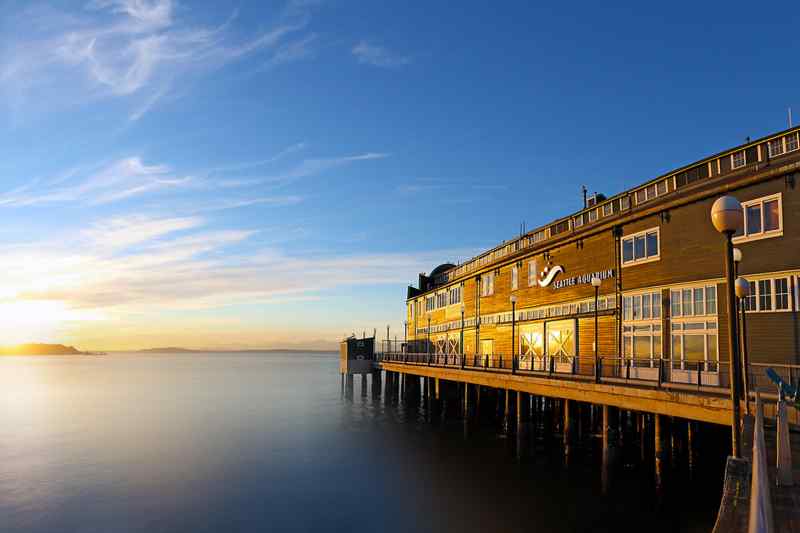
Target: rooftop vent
pixel 595 199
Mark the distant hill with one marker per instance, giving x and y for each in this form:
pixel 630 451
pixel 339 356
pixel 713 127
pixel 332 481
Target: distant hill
pixel 175 349
pixel 40 349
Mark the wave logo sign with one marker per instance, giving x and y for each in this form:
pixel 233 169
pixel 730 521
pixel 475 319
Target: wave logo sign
pixel 546 276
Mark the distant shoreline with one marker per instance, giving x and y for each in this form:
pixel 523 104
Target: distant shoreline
pixel 175 350
pixel 44 349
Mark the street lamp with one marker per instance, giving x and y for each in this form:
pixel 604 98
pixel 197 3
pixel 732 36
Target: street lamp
pixel 405 336
pixel 461 341
pixel 742 292
pixel 513 300
pixel 428 341
pixel 596 282
pixel 727 218
pixel 737 258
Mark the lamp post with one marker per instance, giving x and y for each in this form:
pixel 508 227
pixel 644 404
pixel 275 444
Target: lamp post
pixel 405 335
pixel 513 300
pixel 727 218
pixel 737 258
pixel 742 292
pixel 428 341
pixel 461 340
pixel 596 282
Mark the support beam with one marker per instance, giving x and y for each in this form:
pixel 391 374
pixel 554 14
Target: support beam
pixel 678 402
pixel 659 448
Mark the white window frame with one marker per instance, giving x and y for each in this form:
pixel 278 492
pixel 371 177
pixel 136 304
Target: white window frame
pixel 651 196
pixel 781 145
pixel 578 221
pixel 610 207
pixel 630 325
pixel 514 277
pixel 450 292
pixel 532 273
pixel 645 259
pixel 694 316
pixel 786 143
pixel 734 166
pixel 762 234
pixel 754 281
pixel 679 363
pixel 487 289
pixel 592 215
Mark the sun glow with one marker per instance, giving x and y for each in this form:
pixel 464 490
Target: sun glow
pixel 37 321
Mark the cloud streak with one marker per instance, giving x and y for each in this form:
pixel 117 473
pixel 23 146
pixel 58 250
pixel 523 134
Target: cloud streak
pixel 130 49
pixel 378 56
pixel 120 180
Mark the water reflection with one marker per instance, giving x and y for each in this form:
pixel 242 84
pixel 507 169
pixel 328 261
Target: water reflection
pixel 256 442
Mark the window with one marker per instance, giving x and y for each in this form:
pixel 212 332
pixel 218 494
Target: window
pixel 578 222
pixel 775 147
pixel 791 142
pixel 694 343
pixel 763 218
pixel 641 247
pixel 624 203
pixel 592 215
pixel 411 308
pixel 738 159
pixel 514 278
pixel 765 295
pixel 652 191
pixel 441 300
pixel 695 301
pixel 608 209
pixel 768 295
pixel 641 326
pixel 781 294
pixel 532 273
pixel 430 303
pixel 487 284
pixel 455 295
pixel 645 306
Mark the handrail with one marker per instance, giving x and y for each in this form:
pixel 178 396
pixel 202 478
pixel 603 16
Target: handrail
pixel 700 376
pixel 760 501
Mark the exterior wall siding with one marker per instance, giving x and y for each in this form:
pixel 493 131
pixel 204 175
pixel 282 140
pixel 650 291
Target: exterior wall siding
pixel 691 251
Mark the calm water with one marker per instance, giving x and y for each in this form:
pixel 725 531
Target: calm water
pixel 192 443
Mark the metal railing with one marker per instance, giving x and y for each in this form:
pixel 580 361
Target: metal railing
pixel 657 372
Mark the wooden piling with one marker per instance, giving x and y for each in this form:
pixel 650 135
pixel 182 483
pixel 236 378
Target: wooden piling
pixel 659 449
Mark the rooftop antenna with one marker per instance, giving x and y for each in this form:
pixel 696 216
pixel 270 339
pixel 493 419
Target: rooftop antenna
pixel 790 117
pixel 583 189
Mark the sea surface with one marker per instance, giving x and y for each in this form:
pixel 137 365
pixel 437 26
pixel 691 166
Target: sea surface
pixel 265 442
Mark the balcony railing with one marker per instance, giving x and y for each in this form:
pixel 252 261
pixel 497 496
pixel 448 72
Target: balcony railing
pixel 708 376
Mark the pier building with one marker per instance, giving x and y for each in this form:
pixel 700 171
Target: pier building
pixel 659 264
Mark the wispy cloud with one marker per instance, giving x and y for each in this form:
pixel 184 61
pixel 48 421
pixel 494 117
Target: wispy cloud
pixel 119 180
pixel 294 148
pixel 378 56
pixel 129 48
pixel 312 167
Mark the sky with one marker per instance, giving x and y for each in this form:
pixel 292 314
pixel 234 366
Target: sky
pixel 274 174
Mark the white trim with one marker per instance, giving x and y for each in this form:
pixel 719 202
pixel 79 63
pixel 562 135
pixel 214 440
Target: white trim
pixel 691 287
pixel 762 234
pixel 773 293
pixel 781 142
pixel 645 259
pixel 744 158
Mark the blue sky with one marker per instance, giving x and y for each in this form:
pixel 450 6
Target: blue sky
pixel 275 173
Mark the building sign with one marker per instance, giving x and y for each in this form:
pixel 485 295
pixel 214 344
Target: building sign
pixel 550 276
